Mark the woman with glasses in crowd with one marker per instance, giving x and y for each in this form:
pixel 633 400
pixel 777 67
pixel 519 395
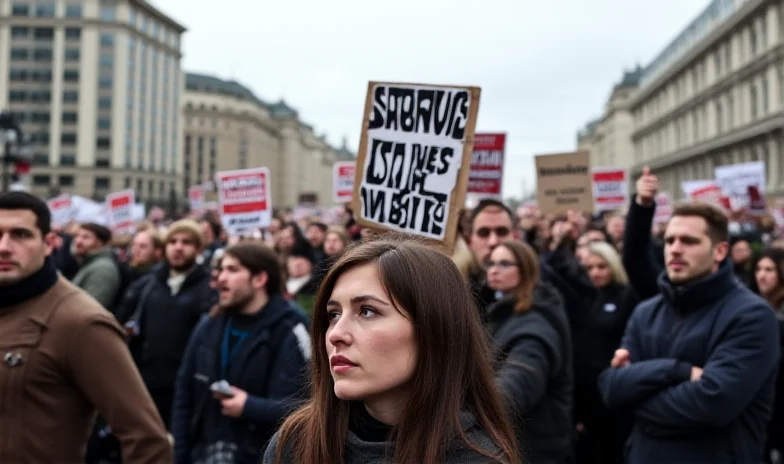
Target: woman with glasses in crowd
pixel 399 370
pixel 530 330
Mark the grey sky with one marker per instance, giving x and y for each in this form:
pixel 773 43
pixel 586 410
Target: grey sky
pixel 545 67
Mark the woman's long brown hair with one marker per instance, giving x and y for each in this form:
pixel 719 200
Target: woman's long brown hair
pixel 453 373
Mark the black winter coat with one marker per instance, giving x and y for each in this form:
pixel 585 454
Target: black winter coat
pixel 535 373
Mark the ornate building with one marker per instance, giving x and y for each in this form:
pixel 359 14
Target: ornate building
pixel 227 127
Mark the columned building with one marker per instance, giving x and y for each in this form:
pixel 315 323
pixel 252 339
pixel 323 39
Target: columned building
pixel 96 84
pixel 609 138
pixel 715 97
pixel 227 127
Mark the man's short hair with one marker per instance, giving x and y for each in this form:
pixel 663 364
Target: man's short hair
pixel 320 225
pixel 257 257
pixel 714 216
pixel 24 200
pixel 489 203
pixel 216 226
pixel 102 233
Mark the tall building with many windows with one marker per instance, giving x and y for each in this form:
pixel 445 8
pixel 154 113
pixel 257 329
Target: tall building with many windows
pixel 227 127
pixel 715 96
pixel 97 86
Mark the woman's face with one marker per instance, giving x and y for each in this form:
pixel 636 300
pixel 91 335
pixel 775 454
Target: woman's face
pixel 502 272
pixel 370 344
pixel 767 276
pixel 333 245
pixel 598 270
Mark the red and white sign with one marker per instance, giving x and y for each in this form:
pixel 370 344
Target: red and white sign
pixel 610 188
pixel 710 193
pixel 196 194
pixel 120 206
pixel 487 165
pixel 343 181
pixel 245 199
pixel 62 209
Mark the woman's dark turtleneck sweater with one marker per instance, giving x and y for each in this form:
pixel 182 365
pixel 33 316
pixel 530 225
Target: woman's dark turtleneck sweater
pixel 366 427
pixel 30 287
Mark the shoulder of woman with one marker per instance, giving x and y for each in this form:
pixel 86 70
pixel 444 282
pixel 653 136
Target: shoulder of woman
pixel 461 452
pixel 271 453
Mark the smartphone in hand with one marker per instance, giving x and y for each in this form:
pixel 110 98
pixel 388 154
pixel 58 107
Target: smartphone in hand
pixel 222 389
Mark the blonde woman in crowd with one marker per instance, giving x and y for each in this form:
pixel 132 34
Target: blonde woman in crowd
pixel 603 433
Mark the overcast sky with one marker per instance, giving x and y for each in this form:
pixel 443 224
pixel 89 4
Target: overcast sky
pixel 545 67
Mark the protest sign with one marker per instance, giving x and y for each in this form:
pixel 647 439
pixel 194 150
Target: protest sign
pixel 245 199
pixel 196 197
pixel 120 208
pixel 487 166
pixel 62 210
pixel 414 156
pixel 743 183
pixel 343 173
pixel 564 182
pixel 610 189
pixel 663 208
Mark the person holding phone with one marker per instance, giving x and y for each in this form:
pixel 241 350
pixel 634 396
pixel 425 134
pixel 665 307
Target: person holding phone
pixel 226 411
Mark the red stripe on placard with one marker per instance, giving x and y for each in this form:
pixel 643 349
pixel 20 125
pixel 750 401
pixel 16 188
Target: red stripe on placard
pixel 245 207
pixel 609 176
pixel 615 199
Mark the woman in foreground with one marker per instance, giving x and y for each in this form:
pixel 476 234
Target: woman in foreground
pixel 401 367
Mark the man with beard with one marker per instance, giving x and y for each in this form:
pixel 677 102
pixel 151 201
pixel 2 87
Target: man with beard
pixel 146 251
pixel 161 310
pixel 64 356
pixel 257 347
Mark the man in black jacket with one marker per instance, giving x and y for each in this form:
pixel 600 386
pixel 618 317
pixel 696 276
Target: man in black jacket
pixel 161 310
pixel 698 361
pixel 259 346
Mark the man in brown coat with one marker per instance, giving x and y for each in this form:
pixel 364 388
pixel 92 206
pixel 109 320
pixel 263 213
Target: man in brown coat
pixel 62 356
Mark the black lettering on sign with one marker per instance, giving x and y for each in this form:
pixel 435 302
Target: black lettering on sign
pixel 434 111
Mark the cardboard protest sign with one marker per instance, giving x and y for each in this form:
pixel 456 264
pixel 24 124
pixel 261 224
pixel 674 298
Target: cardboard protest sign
pixel 62 209
pixel 245 199
pixel 564 182
pixel 487 165
pixel 120 206
pixel 414 156
pixel 343 173
pixel 663 208
pixel 610 189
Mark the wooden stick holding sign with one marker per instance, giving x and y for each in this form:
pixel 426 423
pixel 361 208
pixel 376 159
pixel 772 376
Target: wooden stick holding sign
pixel 414 159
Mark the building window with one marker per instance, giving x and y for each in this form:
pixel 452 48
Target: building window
pixel 44 33
pixel 73 33
pixel 45 10
pixel 127 182
pixel 68 139
pixel 105 103
pixel 103 142
pixel 18 32
pixel 243 158
pixel 42 117
pixel 213 156
pixel 105 82
pixel 19 54
pixel 42 180
pixel 20 9
pixel 71 75
pixel 200 158
pixel 42 54
pixel 765 105
pixel 753 40
pixel 139 186
pixel 70 96
pixel 719 118
pixel 41 159
pixel 16 75
pixel 66 181
pixel 72 54
pixel 162 189
pixel 106 61
pixel 16 96
pixel 150 188
pixel 67 160
pixel 73 11
pixel 42 96
pixel 753 101
pixel 108 12
pixel 102 183
pixel 730 111
pixel 107 39
pixel 104 123
pixel 102 163
pixel 70 117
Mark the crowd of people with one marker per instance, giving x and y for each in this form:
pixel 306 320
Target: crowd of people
pixel 541 338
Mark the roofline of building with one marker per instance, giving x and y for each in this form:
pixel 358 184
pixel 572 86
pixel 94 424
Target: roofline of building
pixel 142 4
